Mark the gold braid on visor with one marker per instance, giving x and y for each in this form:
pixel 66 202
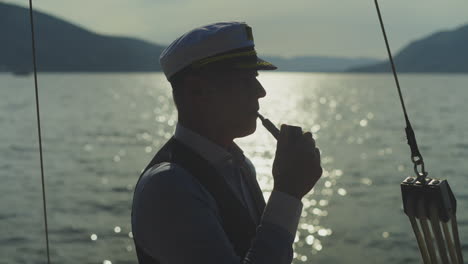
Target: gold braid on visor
pixel 203 62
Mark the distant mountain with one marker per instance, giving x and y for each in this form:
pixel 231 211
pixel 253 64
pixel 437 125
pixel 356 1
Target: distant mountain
pixel 62 46
pixel 443 52
pixel 318 63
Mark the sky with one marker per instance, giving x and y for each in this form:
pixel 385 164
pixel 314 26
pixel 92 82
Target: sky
pixel 345 28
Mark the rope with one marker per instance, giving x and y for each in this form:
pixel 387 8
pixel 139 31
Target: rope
pixel 39 128
pixel 416 156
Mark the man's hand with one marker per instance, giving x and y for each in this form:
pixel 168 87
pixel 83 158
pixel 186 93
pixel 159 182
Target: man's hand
pixel 296 167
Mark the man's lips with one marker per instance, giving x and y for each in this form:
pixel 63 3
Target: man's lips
pixel 253 110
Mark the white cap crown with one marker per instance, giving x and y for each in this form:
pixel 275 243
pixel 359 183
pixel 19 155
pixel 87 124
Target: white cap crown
pixel 204 42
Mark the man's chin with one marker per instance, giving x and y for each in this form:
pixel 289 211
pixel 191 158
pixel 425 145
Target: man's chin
pixel 251 131
pixel 248 130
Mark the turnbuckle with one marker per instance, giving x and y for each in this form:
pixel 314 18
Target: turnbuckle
pixel 419 168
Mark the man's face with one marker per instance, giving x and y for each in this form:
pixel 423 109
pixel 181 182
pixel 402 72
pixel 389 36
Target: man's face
pixel 234 101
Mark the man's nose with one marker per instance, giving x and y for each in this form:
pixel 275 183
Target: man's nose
pixel 260 90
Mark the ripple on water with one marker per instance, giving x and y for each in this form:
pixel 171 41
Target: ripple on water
pixel 14 240
pixel 461 145
pixel 6 216
pixel 125 189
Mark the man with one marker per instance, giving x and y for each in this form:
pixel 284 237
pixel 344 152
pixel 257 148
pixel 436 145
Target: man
pixel 198 200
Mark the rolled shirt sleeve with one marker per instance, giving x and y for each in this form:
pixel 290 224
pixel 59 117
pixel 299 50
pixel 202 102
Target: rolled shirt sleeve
pixel 283 210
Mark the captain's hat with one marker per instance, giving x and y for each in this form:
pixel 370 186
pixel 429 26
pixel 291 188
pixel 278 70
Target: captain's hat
pixel 225 44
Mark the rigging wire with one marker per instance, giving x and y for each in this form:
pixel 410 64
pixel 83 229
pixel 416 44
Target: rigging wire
pixel 430 201
pixel 416 156
pixel 31 18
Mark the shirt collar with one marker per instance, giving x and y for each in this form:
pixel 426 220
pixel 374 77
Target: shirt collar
pixel 209 150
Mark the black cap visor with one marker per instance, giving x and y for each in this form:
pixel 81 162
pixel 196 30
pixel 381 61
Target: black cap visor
pixel 245 58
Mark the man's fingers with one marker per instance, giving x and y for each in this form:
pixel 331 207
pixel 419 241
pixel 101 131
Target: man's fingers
pixel 294 134
pixel 307 143
pixel 310 147
pixel 310 142
pixel 317 153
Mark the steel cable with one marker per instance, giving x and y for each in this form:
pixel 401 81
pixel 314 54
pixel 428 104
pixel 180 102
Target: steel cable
pixel 33 40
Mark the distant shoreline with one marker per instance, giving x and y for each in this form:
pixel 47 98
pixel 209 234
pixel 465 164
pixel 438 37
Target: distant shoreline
pixel 327 72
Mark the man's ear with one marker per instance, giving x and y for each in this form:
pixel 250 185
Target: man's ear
pixel 195 86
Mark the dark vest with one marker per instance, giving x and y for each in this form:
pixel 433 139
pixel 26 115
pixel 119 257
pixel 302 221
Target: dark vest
pixel 235 218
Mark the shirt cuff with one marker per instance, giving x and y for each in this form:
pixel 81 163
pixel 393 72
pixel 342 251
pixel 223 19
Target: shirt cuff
pixel 283 210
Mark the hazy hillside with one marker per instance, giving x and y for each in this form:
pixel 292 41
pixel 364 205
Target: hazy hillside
pixel 62 46
pixel 444 52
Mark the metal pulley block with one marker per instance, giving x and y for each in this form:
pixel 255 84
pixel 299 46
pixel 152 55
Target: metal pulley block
pixel 431 208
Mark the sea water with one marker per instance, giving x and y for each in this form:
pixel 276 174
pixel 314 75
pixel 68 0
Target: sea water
pixel 100 130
